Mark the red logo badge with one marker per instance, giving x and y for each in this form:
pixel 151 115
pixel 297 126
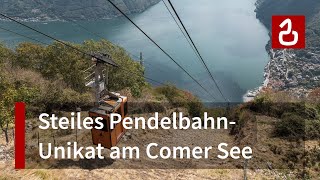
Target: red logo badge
pixel 288 32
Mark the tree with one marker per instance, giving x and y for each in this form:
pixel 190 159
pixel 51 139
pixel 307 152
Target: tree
pixel 58 62
pixel 5 54
pixel 29 55
pixel 11 91
pixel 7 96
pixel 52 77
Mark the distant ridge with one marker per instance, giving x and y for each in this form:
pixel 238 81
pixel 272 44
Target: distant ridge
pixel 310 8
pixel 296 71
pixel 46 10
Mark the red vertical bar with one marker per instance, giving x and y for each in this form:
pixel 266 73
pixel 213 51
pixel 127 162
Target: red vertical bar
pixel 20 123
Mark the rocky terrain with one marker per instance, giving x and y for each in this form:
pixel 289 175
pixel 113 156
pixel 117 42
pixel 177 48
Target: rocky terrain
pixel 297 71
pixel 48 10
pixel 266 124
pixel 273 154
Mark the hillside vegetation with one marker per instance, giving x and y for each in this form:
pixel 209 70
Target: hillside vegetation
pixel 296 71
pixel 310 8
pixel 52 77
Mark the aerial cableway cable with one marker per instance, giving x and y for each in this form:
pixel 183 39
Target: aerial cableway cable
pixel 101 37
pixel 88 54
pixel 181 30
pixel 50 37
pixel 196 81
pixel 27 37
pixel 146 62
pixel 179 26
pixel 41 42
pixel 98 35
pixel 195 47
pixel 184 34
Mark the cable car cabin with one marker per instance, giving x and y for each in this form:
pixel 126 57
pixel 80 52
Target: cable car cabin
pixel 109 137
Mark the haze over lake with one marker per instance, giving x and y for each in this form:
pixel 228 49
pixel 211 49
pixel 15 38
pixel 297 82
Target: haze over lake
pixel 228 35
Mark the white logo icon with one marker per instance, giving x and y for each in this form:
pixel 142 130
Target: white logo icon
pixel 287 32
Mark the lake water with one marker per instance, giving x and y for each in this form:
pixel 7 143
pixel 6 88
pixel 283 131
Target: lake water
pixel 229 37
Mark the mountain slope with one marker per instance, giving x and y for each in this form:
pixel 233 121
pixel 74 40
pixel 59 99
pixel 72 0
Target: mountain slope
pixel 74 9
pixel 297 71
pixel 309 8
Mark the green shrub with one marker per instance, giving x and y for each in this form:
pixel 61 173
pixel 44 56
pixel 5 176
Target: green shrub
pixel 5 54
pixel 195 108
pixel 264 105
pixel 57 62
pixel 290 126
pixel 169 91
pixel 215 112
pixel 242 117
pixel 176 97
pixel 312 129
pixel 71 99
pixel 246 116
pixel 318 107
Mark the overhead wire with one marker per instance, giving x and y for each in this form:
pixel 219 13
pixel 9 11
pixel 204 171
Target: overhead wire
pixel 183 33
pixel 98 35
pixel 85 53
pixel 46 35
pixel 41 42
pixel 195 47
pixel 179 26
pixel 170 57
pixel 8 30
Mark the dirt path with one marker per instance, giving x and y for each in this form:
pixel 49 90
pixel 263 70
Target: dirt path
pixel 144 168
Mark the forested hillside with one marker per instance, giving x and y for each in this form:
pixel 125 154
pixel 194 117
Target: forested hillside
pixel 74 9
pixel 52 77
pixel 309 8
pixel 294 70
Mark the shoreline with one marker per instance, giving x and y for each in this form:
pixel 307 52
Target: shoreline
pixel 47 19
pixel 39 20
pixel 252 93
